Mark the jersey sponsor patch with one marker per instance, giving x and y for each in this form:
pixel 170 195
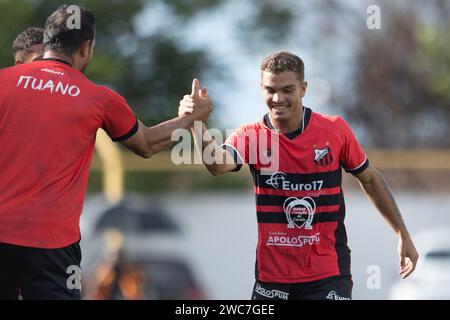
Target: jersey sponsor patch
pixel 280 181
pixel 299 212
pixel 271 293
pixel 282 239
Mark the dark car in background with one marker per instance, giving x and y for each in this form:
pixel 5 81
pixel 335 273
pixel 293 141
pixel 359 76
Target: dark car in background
pixel 134 250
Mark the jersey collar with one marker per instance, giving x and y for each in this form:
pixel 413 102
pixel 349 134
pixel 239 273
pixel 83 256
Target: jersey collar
pixel 54 59
pixel 292 135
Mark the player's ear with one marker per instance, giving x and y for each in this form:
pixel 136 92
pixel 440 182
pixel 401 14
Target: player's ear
pixel 303 87
pixel 84 49
pixel 18 58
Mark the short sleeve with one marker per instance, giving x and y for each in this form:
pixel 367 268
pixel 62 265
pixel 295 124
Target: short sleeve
pixel 119 121
pixel 352 158
pixel 238 146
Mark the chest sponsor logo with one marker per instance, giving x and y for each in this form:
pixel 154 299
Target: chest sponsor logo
pixel 323 157
pixel 280 181
pixel 281 239
pixel 299 212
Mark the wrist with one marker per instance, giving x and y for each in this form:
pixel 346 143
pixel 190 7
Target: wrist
pixel 189 118
pixel 403 234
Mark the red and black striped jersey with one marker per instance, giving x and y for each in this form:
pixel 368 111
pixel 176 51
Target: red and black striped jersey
pixel 299 200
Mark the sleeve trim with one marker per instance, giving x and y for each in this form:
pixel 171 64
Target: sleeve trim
pixel 237 158
pixel 363 166
pixel 129 134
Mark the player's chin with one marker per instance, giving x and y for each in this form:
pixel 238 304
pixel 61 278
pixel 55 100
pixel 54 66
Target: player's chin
pixel 279 115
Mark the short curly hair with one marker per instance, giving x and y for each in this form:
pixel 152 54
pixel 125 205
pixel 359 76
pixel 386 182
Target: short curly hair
pixel 281 61
pixel 25 41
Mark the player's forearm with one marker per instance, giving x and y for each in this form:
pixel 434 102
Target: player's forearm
pixel 216 160
pixel 377 189
pixel 159 137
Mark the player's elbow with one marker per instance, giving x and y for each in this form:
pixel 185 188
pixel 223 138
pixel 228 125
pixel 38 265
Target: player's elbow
pixel 219 169
pixel 151 148
pixel 151 151
pixel 144 154
pixel 215 171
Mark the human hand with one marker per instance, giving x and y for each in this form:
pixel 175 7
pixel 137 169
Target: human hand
pixel 408 256
pixel 198 103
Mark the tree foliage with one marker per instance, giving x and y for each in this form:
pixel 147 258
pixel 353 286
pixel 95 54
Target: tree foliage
pixel 153 75
pixel 401 92
pixel 398 93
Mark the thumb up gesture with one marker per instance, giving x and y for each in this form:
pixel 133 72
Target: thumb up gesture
pixel 197 103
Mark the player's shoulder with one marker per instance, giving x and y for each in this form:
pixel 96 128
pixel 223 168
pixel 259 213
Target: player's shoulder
pixel 104 92
pixel 10 74
pixel 328 119
pixel 94 89
pixel 105 89
pixel 4 76
pixel 12 69
pixel 331 122
pixel 3 72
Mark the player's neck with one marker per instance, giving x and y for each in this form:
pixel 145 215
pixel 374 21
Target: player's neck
pixel 289 125
pixel 57 56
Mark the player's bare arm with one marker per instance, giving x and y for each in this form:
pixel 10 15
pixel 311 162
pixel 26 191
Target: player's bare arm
pixel 377 189
pixel 223 160
pixel 151 140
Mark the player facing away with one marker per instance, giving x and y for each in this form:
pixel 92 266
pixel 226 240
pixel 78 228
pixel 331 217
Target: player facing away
pixel 28 45
pixel 50 113
pixel 302 250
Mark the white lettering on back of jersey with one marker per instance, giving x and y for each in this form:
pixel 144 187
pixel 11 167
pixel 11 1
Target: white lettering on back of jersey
pixel 53 72
pixel 49 86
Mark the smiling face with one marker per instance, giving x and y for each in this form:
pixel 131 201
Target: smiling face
pixel 283 85
pixel 283 93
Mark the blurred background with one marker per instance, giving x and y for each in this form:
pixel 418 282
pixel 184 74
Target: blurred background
pixel 154 230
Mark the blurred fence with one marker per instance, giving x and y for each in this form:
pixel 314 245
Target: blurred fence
pixel 415 159
pixel 405 169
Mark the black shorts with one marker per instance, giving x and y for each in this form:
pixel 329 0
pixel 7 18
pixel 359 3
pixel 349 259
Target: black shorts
pixel 333 288
pixel 33 273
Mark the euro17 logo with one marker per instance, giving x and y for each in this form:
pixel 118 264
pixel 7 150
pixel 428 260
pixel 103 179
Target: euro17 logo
pixel 74 18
